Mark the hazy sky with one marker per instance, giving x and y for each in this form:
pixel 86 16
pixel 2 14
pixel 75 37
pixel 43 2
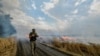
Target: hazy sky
pixel 67 17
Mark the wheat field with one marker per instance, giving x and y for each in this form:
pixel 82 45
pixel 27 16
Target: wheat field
pixel 81 49
pixel 8 47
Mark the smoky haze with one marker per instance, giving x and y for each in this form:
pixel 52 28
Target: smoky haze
pixel 6 28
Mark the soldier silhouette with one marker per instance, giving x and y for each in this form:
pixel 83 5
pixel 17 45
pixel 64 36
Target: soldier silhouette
pixel 33 36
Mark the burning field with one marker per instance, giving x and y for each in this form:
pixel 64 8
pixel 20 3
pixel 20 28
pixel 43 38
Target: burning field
pixel 80 49
pixel 7 47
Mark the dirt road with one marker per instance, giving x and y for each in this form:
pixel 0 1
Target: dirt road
pixel 23 49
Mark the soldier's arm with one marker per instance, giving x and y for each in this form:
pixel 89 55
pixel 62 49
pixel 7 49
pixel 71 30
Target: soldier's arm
pixel 37 35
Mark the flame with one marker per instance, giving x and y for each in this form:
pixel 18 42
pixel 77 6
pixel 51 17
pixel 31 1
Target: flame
pixel 67 38
pixel 27 36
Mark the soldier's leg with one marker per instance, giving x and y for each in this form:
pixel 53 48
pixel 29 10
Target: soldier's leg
pixel 32 47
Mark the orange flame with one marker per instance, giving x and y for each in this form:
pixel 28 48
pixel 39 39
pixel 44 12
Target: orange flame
pixel 67 38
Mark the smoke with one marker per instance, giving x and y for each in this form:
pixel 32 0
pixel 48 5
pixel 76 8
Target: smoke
pixel 87 27
pixel 6 28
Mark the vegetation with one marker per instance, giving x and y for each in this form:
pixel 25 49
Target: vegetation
pixel 82 49
pixel 7 47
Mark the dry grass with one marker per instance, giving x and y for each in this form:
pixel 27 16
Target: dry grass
pixel 7 47
pixel 78 48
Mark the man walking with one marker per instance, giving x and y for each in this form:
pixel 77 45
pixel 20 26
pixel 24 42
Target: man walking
pixel 33 36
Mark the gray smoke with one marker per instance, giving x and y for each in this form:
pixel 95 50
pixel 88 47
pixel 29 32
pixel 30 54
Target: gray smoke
pixel 88 27
pixel 6 28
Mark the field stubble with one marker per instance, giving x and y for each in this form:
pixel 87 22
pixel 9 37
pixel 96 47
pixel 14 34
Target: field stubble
pixel 8 46
pixel 80 49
